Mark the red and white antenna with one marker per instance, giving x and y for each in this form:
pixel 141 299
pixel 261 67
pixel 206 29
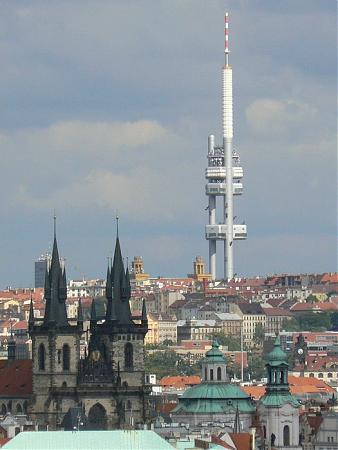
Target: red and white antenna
pixel 226 38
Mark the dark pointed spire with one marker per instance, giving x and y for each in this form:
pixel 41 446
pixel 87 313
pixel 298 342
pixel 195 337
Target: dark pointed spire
pixel 31 315
pixel 237 423
pixel 93 317
pixel 128 282
pixel 11 348
pixel 110 313
pixel 121 287
pixel 109 287
pixel 144 318
pixel 55 290
pixel 79 313
pixel 63 285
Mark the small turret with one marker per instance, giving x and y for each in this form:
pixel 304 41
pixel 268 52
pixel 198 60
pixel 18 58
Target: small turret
pixel 128 283
pixel 110 313
pixel 31 316
pixel 11 347
pixel 79 314
pixel 93 318
pixel 144 318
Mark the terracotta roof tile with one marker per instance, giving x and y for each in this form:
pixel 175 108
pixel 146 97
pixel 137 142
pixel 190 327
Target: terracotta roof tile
pixel 241 440
pixel 180 381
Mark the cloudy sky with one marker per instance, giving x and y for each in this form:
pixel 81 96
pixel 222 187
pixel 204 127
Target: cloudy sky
pixel 106 106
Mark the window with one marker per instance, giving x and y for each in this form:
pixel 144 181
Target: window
pixel 286 435
pixel 41 357
pixel 128 356
pixel 65 357
pixel 211 374
pixel 219 374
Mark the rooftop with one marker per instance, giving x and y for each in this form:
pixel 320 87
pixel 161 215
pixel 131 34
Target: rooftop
pixel 88 440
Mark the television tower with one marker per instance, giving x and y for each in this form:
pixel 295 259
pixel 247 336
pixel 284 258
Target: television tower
pixel 224 175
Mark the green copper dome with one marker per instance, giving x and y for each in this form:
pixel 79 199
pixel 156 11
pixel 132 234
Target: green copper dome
pixel 208 398
pixel 214 391
pixel 277 356
pixel 214 355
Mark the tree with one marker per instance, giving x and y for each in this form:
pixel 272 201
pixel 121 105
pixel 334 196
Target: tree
pixel 259 335
pixel 233 369
pixel 162 363
pixel 256 367
pixel 167 343
pixel 291 325
pixel 169 363
pixel 315 321
pixel 227 340
pixel 311 299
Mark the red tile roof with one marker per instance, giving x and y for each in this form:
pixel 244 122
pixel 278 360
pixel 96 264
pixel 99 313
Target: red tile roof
pixel 276 312
pixel 314 422
pixel 180 382
pixel 314 307
pixel 21 325
pixel 4 441
pixel 329 278
pixel 16 377
pixel 298 386
pixel 241 440
pixel 320 363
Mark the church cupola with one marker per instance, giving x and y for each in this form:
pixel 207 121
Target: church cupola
pixel 11 347
pixel 277 368
pixel 214 365
pixel 277 403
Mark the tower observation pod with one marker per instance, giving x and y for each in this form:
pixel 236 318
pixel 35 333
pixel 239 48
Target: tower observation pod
pixel 224 179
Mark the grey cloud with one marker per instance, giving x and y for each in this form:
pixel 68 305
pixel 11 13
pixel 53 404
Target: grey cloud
pixel 76 73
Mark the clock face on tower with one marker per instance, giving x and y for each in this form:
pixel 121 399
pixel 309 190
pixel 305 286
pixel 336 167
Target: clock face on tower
pixel 300 351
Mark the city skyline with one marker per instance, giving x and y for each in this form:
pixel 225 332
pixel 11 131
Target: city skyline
pixel 107 107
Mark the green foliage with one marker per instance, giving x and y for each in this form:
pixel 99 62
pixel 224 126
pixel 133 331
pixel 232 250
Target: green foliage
pixel 291 325
pixel 232 342
pixel 309 322
pixel 259 334
pixel 315 321
pixel 311 299
pixel 233 369
pixel 256 367
pixel 169 363
pixel 167 343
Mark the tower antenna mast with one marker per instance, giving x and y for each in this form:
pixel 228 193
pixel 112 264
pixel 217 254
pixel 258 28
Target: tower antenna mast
pixel 224 176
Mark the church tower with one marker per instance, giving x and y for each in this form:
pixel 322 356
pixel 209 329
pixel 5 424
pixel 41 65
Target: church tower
pixel 278 408
pixel 107 385
pixel 55 348
pixel 115 357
